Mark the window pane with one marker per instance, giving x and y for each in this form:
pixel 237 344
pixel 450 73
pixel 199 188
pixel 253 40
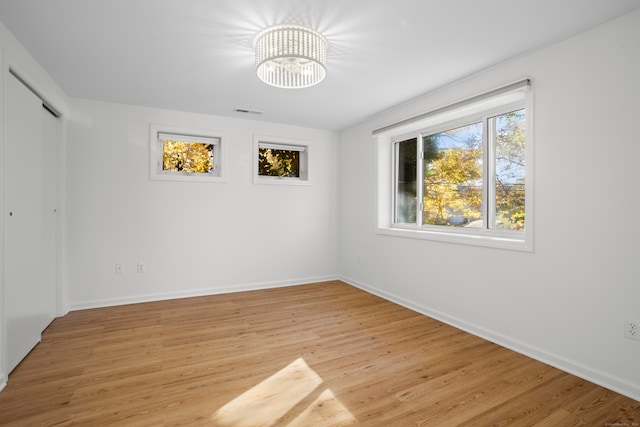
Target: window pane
pixel 284 163
pixel 190 157
pixel 510 167
pixel 453 177
pixel 406 201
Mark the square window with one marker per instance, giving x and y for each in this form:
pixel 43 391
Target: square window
pixel 281 161
pixel 185 155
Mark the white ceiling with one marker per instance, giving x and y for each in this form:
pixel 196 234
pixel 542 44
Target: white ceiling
pixel 197 55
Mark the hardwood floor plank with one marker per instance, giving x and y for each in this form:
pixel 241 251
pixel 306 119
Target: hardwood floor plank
pixel 325 354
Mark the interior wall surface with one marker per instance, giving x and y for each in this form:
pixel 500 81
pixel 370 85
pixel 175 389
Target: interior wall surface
pixel 193 238
pixel 564 303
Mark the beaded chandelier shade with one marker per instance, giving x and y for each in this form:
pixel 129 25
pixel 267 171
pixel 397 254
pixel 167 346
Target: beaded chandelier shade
pixel 290 56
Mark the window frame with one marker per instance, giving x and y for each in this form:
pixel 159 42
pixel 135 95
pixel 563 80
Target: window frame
pixel 279 143
pixel 156 152
pixel 387 184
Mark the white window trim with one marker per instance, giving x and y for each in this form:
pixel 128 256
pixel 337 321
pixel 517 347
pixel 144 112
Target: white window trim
pixel 187 134
pixel 385 164
pixel 262 141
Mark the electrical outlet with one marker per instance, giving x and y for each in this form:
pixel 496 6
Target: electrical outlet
pixel 119 269
pixel 632 329
pixel 141 267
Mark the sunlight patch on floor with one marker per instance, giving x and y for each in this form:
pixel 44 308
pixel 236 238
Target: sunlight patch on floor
pixel 266 403
pixel 326 410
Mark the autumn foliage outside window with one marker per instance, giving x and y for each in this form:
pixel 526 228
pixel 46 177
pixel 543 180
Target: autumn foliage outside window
pixel 187 157
pixel 471 176
pixel 274 162
pixel 453 176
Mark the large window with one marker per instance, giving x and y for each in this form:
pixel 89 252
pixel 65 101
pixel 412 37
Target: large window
pixel 463 176
pixel 454 166
pixel 185 155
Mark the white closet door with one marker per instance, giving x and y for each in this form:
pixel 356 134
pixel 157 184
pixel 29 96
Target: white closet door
pixel 27 299
pixel 50 141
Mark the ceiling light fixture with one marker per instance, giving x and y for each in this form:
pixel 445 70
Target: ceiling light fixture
pixel 290 56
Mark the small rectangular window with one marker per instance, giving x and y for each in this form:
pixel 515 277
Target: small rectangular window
pixel 182 154
pixel 185 155
pixel 281 161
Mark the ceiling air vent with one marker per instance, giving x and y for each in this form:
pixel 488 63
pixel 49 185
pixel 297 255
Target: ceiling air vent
pixel 247 111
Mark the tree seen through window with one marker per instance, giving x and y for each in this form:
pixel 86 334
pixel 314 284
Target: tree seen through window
pixel 456 171
pixel 276 162
pixel 188 157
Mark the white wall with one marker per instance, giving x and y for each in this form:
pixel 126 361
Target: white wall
pixel 566 302
pixel 195 238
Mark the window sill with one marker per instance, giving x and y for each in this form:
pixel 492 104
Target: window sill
pixel 186 177
pixel 524 244
pixel 280 181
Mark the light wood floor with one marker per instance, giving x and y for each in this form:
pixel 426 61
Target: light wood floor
pixel 313 355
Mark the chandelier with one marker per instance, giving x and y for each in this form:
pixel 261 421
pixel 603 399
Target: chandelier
pixel 290 56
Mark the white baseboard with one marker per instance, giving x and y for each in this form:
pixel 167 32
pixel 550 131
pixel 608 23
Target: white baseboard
pixel 603 379
pixel 111 302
